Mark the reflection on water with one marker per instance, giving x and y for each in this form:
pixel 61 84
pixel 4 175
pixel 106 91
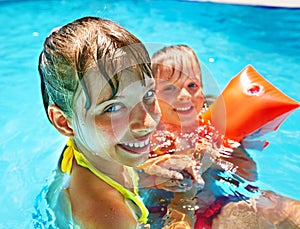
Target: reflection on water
pixel 228 175
pixel 226 39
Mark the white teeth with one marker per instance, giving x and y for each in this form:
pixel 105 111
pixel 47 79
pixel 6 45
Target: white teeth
pixel 183 108
pixel 137 144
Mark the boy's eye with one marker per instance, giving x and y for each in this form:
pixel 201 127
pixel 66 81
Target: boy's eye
pixel 149 94
pixel 113 108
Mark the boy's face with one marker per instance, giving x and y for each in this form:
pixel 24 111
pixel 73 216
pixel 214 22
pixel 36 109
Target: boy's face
pixel 180 99
pixel 117 128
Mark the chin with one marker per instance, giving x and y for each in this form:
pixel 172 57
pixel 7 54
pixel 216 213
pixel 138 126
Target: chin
pixel 133 161
pixel 139 161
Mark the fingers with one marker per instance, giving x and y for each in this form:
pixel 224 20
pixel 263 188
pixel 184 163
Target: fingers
pixel 193 169
pixel 175 185
pixel 167 173
pixel 199 180
pixel 179 170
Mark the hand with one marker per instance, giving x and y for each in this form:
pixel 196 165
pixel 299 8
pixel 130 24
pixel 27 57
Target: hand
pixel 173 172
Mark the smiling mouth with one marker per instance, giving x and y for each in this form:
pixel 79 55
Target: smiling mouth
pixel 183 109
pixel 139 144
pixel 136 147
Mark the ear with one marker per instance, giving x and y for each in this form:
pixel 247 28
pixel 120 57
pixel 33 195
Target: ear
pixel 60 121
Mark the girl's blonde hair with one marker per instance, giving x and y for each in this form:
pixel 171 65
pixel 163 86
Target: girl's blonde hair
pixel 173 58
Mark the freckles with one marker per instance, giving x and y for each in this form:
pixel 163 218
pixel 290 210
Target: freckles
pixel 112 129
pixel 103 126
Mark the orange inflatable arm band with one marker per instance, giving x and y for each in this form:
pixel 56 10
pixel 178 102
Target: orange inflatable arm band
pixel 249 106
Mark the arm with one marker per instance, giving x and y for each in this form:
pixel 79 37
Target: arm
pixel 268 210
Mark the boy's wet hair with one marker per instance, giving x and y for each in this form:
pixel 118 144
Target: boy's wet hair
pixel 85 44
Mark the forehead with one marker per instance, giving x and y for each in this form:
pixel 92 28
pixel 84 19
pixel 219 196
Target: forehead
pixel 99 89
pixel 131 82
pixel 173 69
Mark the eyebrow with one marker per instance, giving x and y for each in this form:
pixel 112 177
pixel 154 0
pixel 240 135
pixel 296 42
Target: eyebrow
pixel 151 84
pixel 107 100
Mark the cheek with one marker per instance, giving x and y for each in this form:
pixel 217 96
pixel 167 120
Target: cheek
pixel 111 129
pixel 166 97
pixel 104 129
pixel 165 106
pixel 168 114
pixel 198 99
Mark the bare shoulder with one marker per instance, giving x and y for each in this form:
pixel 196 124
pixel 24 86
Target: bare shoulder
pixel 95 204
pixel 279 209
pixel 270 210
pixel 235 214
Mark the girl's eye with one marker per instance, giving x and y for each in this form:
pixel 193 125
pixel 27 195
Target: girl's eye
pixel 149 96
pixel 193 86
pixel 113 108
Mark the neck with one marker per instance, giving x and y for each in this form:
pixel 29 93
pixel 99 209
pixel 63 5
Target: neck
pixel 108 166
pixel 112 178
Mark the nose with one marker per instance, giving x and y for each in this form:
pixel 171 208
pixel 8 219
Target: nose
pixel 183 95
pixel 142 122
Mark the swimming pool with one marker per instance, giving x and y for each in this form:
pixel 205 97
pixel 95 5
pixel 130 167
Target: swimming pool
pixel 225 37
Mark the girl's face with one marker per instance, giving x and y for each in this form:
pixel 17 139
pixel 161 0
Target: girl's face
pixel 119 128
pixel 180 99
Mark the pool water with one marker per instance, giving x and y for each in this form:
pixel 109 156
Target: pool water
pixel 225 37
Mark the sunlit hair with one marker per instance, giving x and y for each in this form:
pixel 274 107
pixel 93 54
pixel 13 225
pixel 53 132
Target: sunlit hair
pixel 180 58
pixel 88 43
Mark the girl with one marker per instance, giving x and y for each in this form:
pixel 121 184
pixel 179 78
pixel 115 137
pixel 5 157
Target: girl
pixel 98 91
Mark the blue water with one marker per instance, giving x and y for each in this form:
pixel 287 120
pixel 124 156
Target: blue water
pixel 225 37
